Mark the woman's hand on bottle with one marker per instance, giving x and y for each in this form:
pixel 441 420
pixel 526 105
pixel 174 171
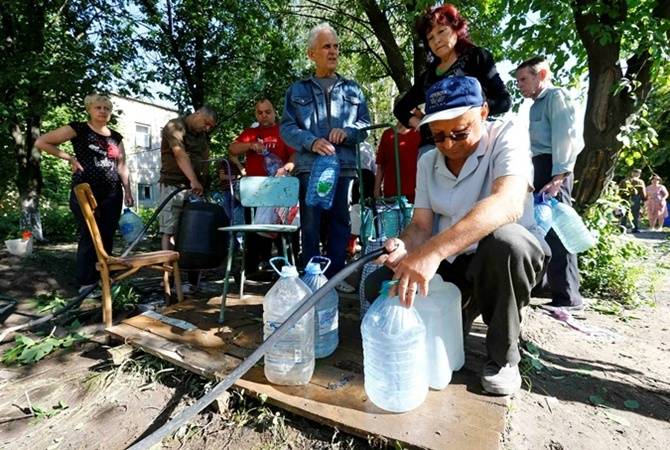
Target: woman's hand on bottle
pixel 128 198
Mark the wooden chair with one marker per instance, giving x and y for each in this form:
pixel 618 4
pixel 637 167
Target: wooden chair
pixel 260 192
pixel 163 260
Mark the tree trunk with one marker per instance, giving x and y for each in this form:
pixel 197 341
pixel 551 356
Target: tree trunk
pixel 382 29
pixel 607 110
pixel 29 175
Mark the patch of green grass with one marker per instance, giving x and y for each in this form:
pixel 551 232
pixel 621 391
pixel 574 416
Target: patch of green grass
pixel 28 351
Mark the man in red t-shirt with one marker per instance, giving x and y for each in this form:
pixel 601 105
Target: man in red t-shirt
pixel 408 148
pixel 253 141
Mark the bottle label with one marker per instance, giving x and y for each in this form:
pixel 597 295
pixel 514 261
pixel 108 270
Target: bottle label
pixel 328 320
pixel 326 182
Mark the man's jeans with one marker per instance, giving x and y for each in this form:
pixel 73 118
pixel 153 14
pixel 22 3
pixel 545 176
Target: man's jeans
pixel 338 225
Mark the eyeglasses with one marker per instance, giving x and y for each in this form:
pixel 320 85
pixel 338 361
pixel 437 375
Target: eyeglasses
pixel 454 135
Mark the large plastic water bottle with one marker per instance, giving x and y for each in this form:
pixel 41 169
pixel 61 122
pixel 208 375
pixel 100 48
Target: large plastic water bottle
pixel 272 162
pixel 326 335
pixel 291 360
pixel 323 181
pixel 130 225
pixel 441 313
pixel 394 354
pixel 570 228
pixel 543 213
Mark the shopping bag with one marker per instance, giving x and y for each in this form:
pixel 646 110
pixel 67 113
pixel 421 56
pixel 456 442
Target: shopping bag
pixel 373 243
pixel 393 217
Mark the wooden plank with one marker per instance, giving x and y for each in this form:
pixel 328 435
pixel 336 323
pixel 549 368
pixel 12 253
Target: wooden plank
pixel 214 365
pixel 460 416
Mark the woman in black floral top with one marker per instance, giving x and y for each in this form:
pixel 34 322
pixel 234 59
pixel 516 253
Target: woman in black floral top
pixel 99 159
pixel 445 35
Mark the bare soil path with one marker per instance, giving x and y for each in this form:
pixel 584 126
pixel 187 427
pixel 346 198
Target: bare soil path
pixel 581 392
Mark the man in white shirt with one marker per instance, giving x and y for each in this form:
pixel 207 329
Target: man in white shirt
pixel 478 184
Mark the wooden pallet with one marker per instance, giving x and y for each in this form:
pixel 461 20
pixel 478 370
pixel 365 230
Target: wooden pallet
pixel 459 417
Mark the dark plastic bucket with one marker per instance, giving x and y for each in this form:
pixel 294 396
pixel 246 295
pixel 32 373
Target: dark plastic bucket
pixel 198 241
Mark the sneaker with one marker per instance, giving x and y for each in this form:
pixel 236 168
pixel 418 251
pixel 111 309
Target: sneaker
pixel 345 288
pixel 500 380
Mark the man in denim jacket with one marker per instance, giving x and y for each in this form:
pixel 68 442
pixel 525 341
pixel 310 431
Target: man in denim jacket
pixel 323 115
pixel 555 143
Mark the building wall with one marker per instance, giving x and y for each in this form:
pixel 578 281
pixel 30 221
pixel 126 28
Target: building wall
pixel 140 123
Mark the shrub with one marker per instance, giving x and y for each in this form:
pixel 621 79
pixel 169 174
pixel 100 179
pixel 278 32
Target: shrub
pixel 59 224
pixel 611 270
pixel 145 214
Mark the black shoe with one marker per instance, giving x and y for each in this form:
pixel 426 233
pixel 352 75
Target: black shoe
pixel 554 306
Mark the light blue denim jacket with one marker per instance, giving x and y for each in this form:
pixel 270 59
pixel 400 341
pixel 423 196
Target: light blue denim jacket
pixel 305 119
pixel 553 129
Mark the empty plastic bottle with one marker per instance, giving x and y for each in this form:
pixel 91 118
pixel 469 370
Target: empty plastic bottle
pixel 291 360
pixel 271 161
pixel 130 224
pixel 394 354
pixel 326 314
pixel 543 213
pixel 323 181
pixel 570 228
pixel 440 311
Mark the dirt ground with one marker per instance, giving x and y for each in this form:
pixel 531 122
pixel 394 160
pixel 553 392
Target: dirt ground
pixel 580 391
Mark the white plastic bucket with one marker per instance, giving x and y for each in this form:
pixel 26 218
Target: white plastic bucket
pixel 20 247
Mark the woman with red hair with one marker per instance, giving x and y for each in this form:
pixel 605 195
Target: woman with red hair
pixel 445 34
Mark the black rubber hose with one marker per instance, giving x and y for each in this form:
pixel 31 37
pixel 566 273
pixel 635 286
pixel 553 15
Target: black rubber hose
pixel 183 417
pixel 150 221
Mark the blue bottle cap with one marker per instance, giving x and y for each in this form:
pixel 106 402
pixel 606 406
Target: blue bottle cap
pixel 313 268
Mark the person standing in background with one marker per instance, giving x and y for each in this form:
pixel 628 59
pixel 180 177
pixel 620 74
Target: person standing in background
pixel 408 150
pixel 100 160
pixel 657 208
pixel 444 33
pixel 323 115
pixel 633 190
pixel 555 144
pixel 253 143
pixel 184 152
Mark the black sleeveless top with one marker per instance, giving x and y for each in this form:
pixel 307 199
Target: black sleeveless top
pixel 99 156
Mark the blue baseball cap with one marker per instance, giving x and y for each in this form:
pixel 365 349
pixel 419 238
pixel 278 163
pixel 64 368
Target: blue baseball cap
pixel 451 97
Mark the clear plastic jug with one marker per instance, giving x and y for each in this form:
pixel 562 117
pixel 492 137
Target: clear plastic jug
pixel 326 311
pixel 543 213
pixel 271 162
pixel 291 360
pixel 570 228
pixel 130 225
pixel 441 313
pixel 394 354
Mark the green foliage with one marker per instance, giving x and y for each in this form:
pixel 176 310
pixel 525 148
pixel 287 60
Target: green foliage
pixel 28 351
pixel 43 413
pixel 9 221
pixel 145 214
pixel 611 270
pixel 124 297
pixel 49 302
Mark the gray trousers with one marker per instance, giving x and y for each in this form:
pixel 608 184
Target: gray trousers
pixel 562 278
pixel 499 277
